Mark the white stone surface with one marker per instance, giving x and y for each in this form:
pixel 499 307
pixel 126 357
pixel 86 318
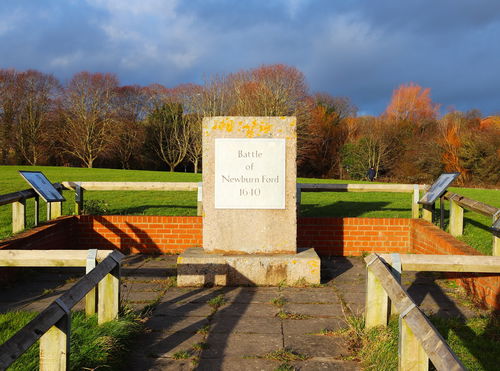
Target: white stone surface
pixel 249 173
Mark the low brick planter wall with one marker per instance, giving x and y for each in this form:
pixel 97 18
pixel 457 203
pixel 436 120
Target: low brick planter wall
pixel 328 236
pixel 429 239
pixel 140 234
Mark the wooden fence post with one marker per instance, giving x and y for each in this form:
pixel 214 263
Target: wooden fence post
pixel 456 219
pixel 427 211
pixel 496 244
pixel 298 198
pixel 54 344
pixel 78 199
pixel 412 356
pixel 91 297
pixel 377 301
pixel 18 216
pixel 108 293
pixel 199 204
pixel 415 211
pixel 37 210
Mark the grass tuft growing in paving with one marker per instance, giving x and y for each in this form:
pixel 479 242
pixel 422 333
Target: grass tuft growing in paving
pixel 282 314
pixel 279 301
pixel 181 354
pixel 217 302
pixel 286 355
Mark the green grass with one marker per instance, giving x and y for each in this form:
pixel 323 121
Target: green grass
pixel 92 346
pixel 347 204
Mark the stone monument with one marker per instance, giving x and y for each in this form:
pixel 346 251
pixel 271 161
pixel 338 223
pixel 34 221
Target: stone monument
pixel 249 207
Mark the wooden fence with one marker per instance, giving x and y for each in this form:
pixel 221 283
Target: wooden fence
pixel 52 325
pixel 399 188
pixel 418 339
pixel 58 258
pixel 457 202
pixel 457 205
pixel 18 201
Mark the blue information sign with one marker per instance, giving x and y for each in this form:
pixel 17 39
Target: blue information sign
pixel 438 188
pixel 42 186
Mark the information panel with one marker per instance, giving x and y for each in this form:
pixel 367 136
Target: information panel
pixel 42 186
pixel 249 173
pixel 438 188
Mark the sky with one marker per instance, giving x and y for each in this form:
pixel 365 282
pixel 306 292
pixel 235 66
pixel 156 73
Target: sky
pixel 361 49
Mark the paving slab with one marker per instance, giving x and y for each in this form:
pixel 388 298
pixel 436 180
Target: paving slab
pixel 321 295
pixel 317 345
pixel 243 345
pixel 252 294
pixel 231 363
pixel 326 364
pixel 312 325
pixel 248 310
pixel 315 310
pixel 184 310
pixel 165 344
pixel 191 295
pixel 246 325
pixel 161 323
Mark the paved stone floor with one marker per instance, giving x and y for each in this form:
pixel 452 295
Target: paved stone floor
pixel 238 328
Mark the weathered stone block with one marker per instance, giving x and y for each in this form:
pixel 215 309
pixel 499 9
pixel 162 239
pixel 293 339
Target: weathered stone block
pixel 249 178
pixel 195 267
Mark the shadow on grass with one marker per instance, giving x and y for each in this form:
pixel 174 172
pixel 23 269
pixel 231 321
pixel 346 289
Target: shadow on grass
pixel 343 209
pixel 453 325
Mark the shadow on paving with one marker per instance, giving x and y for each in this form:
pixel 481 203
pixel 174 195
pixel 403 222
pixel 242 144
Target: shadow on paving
pixel 179 323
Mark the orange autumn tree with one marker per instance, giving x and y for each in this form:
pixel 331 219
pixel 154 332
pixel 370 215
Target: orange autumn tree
pixel 451 126
pixel 411 103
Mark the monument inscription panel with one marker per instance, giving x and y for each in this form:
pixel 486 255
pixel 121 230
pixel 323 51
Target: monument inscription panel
pixel 249 173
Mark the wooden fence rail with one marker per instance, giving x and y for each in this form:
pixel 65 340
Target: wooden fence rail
pixel 419 340
pixel 52 325
pixel 400 188
pixel 457 205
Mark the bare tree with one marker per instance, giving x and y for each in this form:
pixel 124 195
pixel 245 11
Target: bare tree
pixel 129 131
pixel 8 111
pixel 36 102
pixel 88 113
pixel 168 130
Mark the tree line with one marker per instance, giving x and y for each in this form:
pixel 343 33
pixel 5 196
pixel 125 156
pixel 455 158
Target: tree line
pixel 94 121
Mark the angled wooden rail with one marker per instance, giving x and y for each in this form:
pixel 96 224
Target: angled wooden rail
pixel 52 325
pixel 457 205
pixel 419 339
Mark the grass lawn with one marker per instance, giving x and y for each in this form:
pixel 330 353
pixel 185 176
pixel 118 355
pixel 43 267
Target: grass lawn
pixel 395 205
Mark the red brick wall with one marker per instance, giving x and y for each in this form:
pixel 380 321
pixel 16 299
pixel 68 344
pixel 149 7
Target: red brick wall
pixel 429 239
pixel 53 235
pixel 353 236
pixel 140 234
pixel 165 234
